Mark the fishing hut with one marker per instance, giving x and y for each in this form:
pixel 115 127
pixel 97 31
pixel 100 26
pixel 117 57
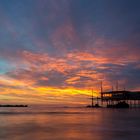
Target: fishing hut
pixel 120 98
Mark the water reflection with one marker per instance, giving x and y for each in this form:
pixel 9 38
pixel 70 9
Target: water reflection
pixel 69 124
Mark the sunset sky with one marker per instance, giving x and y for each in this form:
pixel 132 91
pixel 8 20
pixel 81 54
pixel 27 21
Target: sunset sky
pixel 56 51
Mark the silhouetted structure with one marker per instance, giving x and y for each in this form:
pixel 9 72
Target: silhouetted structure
pixel 116 98
pixel 94 105
pixel 120 98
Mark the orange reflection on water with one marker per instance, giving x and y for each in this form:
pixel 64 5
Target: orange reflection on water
pixel 68 124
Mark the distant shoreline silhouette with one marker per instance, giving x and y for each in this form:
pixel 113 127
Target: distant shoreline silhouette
pixel 13 105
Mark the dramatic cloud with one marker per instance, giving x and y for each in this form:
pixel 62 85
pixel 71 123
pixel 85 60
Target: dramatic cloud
pixel 56 52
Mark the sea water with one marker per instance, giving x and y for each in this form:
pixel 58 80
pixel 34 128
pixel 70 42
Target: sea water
pixel 65 123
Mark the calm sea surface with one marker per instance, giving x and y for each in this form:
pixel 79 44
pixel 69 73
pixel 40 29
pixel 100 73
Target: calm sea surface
pixel 42 123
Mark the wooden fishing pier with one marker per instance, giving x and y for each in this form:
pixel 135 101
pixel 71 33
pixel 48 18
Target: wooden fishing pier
pixel 110 98
pixel 117 98
pixel 120 98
